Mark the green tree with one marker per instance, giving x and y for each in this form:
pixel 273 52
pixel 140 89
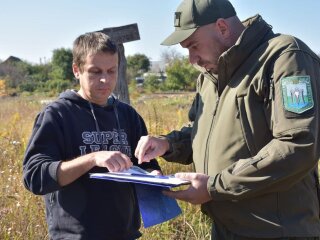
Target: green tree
pixel 38 75
pixel 57 86
pixel 138 64
pixel 181 75
pixel 62 64
pixel 40 72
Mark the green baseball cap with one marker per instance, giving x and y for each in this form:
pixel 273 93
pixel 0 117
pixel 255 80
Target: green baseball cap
pixel 192 14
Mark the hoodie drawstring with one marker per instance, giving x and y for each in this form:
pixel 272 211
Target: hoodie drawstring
pixel 94 117
pixel 97 125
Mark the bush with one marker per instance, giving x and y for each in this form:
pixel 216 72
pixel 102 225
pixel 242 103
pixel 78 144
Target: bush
pixel 57 86
pixel 29 86
pixel 152 83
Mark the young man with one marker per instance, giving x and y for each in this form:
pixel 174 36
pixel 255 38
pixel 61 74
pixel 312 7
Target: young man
pixel 255 147
pixel 82 132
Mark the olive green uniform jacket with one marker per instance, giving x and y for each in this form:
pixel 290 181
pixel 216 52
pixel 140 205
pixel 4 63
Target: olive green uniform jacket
pixel 260 156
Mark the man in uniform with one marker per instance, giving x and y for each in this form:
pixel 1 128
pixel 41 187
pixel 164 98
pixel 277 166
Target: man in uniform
pixel 254 146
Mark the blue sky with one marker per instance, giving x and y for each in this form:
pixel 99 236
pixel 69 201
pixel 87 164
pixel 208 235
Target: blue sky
pixel 32 29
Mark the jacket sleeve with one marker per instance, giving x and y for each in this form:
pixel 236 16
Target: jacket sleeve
pixel 293 151
pixel 43 154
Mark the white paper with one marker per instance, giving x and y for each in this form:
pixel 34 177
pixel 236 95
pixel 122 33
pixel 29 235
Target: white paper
pixel 138 175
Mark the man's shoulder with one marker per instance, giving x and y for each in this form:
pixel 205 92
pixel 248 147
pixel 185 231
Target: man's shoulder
pixel 56 104
pixel 289 43
pixel 122 106
pixel 59 106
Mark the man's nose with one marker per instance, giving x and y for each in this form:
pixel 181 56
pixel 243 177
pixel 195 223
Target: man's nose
pixel 104 77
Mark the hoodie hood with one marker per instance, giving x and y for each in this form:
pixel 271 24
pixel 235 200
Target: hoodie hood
pixel 112 102
pixel 74 97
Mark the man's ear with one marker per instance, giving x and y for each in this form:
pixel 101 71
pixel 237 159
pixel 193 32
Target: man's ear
pixel 223 28
pixel 76 71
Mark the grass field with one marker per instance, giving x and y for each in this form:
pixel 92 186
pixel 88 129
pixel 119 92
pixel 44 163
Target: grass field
pixel 22 213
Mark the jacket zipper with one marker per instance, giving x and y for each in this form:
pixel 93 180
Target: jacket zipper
pixel 206 160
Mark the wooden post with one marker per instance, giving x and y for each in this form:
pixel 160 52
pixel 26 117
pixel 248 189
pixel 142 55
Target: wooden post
pixel 121 35
pixel 121 90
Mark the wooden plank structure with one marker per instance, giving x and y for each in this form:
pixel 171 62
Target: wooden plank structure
pixel 122 35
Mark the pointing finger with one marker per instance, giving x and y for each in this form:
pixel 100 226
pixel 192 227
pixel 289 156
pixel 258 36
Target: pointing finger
pixel 142 151
pixel 136 152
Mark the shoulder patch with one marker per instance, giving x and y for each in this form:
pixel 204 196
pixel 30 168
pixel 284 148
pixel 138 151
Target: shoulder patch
pixel 297 94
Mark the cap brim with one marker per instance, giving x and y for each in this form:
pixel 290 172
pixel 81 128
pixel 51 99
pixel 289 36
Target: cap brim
pixel 178 36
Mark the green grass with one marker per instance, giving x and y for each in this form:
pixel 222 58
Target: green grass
pixel 22 214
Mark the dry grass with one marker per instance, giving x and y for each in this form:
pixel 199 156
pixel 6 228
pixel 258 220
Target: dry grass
pixel 22 214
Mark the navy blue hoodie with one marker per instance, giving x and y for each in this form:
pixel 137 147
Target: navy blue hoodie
pixel 87 208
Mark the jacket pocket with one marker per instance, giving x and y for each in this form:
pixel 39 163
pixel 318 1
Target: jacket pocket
pixel 245 126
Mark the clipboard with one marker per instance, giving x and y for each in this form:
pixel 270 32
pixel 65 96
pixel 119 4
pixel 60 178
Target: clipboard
pixel 140 176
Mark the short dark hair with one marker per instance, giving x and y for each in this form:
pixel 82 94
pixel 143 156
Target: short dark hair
pixel 91 43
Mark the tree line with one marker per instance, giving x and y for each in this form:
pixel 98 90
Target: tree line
pixel 17 76
pixel 55 76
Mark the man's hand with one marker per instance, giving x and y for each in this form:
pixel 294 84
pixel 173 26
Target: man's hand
pixel 197 192
pixel 68 171
pixel 150 147
pixel 113 160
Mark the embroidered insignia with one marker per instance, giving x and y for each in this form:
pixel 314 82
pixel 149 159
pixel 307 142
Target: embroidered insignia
pixel 297 94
